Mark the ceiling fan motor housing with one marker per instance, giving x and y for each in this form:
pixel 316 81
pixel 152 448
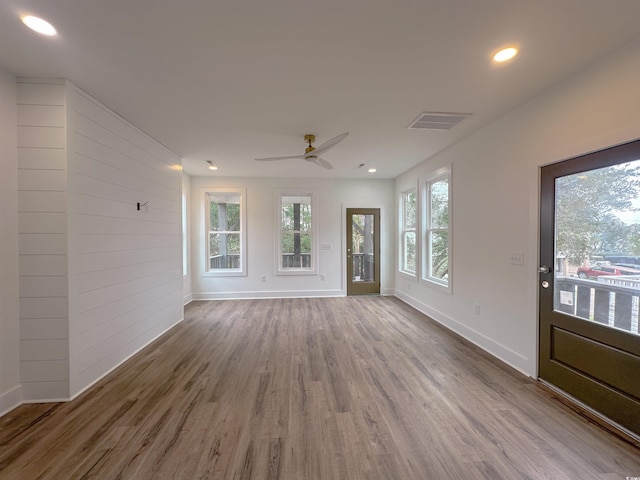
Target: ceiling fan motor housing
pixel 309 139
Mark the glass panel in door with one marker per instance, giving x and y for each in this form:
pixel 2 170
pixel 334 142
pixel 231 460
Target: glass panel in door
pixel 363 254
pixel 597 245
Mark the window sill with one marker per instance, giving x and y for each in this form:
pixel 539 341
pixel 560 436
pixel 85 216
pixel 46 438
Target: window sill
pixel 409 276
pixel 230 273
pixel 441 287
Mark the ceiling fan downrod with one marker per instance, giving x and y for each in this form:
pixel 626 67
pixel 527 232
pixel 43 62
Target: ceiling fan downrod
pixel 309 139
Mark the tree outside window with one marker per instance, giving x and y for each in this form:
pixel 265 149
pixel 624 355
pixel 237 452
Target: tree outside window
pixel 437 218
pixel 225 245
pixel 296 233
pixel 598 217
pixel 409 204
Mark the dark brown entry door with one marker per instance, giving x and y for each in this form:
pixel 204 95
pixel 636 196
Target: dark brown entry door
pixel 363 251
pixel 590 281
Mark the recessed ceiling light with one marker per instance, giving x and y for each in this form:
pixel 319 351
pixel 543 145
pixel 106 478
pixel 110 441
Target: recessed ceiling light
pixel 39 25
pixel 505 54
pixel 372 170
pixel 212 165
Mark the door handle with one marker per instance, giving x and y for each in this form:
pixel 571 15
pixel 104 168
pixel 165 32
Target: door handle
pixel 544 269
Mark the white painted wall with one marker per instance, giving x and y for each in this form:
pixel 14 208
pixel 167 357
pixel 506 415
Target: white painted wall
pixel 495 202
pixel 44 344
pixel 334 196
pixel 125 264
pixel 10 390
pixel 187 289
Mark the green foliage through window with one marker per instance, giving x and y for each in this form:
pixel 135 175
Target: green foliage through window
pixel 408 232
pixel 224 231
pixel 296 231
pixel 436 229
pixel 597 213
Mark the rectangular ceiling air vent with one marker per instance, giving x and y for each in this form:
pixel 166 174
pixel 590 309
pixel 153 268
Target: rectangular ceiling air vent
pixel 437 120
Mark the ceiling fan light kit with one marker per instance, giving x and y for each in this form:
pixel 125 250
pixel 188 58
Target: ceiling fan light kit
pixel 311 153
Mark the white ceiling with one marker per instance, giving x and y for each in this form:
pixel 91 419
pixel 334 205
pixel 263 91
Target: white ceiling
pixel 233 80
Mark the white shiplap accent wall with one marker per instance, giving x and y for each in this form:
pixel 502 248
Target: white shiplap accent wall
pixel 125 265
pixel 99 279
pixel 42 232
pixel 10 389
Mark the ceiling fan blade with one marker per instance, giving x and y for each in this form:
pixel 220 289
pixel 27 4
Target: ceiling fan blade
pixel 270 159
pixel 327 145
pixel 321 162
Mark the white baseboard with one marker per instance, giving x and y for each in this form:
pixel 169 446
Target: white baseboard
pixel 267 294
pixel 88 386
pixel 47 400
pixel 10 400
pixel 13 398
pixel 508 356
pixel 187 299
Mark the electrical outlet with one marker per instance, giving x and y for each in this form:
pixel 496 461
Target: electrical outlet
pixel 323 277
pixel 516 259
pixel 263 278
pixel 476 308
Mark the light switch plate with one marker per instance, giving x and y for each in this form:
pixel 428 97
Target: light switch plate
pixel 516 259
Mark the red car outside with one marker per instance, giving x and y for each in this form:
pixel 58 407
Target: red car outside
pixel 601 270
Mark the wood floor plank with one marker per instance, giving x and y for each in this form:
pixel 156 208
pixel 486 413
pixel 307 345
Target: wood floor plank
pixel 334 388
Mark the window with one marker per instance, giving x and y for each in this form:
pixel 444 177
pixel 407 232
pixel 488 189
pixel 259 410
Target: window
pixel 408 212
pixel 436 266
pixel 297 244
pixel 225 217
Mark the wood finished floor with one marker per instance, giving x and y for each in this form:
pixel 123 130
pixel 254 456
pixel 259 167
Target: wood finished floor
pixel 336 388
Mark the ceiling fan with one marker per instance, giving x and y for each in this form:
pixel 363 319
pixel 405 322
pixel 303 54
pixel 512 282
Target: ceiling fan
pixel 311 153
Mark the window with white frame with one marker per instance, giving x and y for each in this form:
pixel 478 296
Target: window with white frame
pixel 437 228
pixel 226 242
pixel 297 235
pixel 408 218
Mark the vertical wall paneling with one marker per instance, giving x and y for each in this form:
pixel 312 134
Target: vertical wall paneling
pixel 42 238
